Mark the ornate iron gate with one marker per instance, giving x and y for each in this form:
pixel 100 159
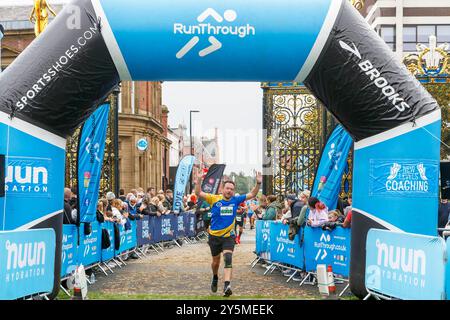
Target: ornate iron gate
pixel 297 127
pixel 108 181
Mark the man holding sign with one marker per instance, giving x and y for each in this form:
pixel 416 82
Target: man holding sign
pixel 221 230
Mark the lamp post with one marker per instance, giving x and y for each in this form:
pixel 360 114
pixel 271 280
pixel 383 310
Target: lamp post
pixel 116 92
pixel 192 143
pixel 2 33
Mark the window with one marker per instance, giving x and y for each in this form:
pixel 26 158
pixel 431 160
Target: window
pixel 387 33
pixel 414 34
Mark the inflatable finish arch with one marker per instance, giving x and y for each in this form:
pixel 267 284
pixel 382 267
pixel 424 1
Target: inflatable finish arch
pixel 93 44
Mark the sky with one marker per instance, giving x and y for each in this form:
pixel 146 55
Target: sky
pixel 234 108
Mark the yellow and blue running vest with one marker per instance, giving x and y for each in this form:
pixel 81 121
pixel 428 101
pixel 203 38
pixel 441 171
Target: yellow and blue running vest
pixel 223 214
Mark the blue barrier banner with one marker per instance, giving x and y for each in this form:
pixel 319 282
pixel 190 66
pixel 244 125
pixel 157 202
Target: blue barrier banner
pixel 192 224
pixel 330 248
pixel 405 265
pixel 90 162
pixel 263 238
pixel 69 249
pixel 108 254
pixel 145 231
pixel 157 226
pixel 181 180
pixel 284 250
pixel 333 162
pixel 27 266
pixel 180 227
pixel 90 249
pixel 128 238
pixel 166 229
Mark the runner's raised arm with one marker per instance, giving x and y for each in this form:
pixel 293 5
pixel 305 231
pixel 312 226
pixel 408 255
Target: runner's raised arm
pixel 255 190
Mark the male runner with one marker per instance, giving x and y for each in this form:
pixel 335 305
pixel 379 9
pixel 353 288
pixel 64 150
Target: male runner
pixel 221 229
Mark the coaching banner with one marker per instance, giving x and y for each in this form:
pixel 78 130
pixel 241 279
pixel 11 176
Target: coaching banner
pixel 330 248
pixel 90 162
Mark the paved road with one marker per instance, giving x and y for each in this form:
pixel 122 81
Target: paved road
pixel 185 272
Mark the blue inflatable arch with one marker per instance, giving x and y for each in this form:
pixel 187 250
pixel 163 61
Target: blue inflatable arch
pixel 57 82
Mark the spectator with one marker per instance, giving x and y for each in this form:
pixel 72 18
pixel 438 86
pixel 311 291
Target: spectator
pixel 100 212
pixel 163 209
pixel 205 210
pixel 73 198
pixel 68 217
pixel 147 208
pixel 349 206
pixel 134 191
pixel 273 208
pixel 151 191
pixel 304 198
pixel 318 213
pixel 348 220
pixel 261 208
pixel 334 220
pixel 443 213
pixel 169 197
pixel 116 207
pixel 294 208
pixel 122 195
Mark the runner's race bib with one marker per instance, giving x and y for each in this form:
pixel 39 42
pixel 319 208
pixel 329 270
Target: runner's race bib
pixel 226 211
pixel 238 218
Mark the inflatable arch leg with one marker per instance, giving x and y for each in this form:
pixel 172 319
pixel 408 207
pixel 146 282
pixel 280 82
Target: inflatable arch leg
pixel 57 82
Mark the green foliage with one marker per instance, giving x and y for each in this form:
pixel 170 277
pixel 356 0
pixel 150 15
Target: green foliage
pixel 244 184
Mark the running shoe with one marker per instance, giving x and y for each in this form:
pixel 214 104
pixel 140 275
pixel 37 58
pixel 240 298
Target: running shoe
pixel 227 291
pixel 214 285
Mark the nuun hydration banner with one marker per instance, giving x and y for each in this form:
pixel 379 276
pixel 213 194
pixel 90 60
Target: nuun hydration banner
pixel 27 263
pixel 328 247
pixel 90 162
pixel 405 266
pixel 181 181
pixel 328 181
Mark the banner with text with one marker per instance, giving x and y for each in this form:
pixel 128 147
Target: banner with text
pixel 328 247
pixel 284 250
pixel 405 265
pixel 108 253
pixel 69 249
pixel 145 231
pixel 181 180
pixel 333 162
pixel 27 266
pixel 263 238
pixel 90 161
pixel 90 248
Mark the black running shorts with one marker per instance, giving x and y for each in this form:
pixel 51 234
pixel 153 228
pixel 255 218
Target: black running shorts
pixel 219 244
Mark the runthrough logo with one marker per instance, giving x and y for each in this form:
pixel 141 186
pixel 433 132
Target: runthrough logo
pixel 202 28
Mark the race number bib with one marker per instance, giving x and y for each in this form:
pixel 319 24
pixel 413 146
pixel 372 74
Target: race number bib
pixel 226 211
pixel 238 218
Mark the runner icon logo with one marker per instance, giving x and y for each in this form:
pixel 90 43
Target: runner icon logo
pixel 211 30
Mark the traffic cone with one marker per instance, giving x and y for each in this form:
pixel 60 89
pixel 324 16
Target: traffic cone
pixel 331 284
